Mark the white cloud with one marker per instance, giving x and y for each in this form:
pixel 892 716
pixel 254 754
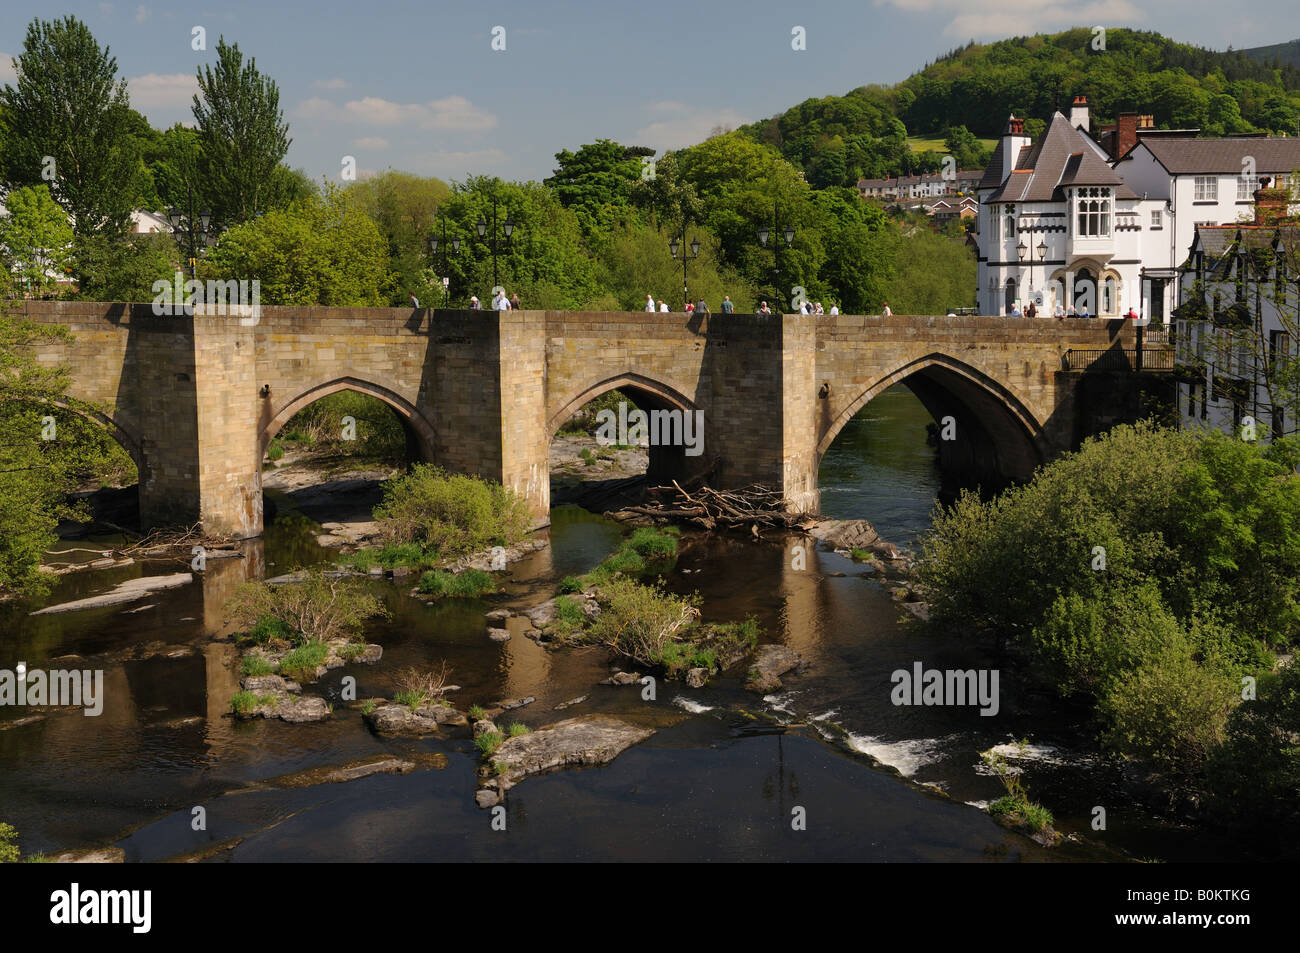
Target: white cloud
pixel 370 142
pixel 334 83
pixel 162 90
pixel 969 19
pixel 687 128
pixel 141 13
pixel 449 114
pixel 8 69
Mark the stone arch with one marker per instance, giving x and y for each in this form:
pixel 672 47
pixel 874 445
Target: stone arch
pixel 127 440
pixel 986 405
pixel 410 416
pixel 665 462
pixel 593 388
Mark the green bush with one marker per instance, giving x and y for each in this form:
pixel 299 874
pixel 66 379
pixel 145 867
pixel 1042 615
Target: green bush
pixel 317 609
pixel 518 728
pixel 256 665
pixel 275 451
pixel 488 742
pixel 1171 711
pixel 8 844
pixel 469 584
pixel 302 662
pixel 652 544
pixel 243 702
pixel 268 630
pixel 1254 776
pixel 476 712
pixel 638 621
pixel 451 515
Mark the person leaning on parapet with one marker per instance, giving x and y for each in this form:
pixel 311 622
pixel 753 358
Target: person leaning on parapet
pixel 514 302
pixel 501 302
pixel 1084 313
pixel 475 304
pixel 1059 311
pixel 835 308
pixel 690 307
pixel 663 307
pixel 415 302
pixel 702 307
pixel 764 309
pixel 727 306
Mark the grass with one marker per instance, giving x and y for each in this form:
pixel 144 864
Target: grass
pixel 860 555
pixel 275 451
pixel 469 584
pixel 256 665
pixel 418 688
pixel 268 630
pixel 488 742
pixel 369 706
pixel 301 664
pixel 518 728
pixel 647 548
pixel 500 767
pixel 1015 805
pixel 476 712
pixel 245 702
pixel 350 651
pixel 391 556
pixel 923 144
pixel 571 584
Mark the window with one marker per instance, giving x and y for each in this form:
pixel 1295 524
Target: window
pixel 1207 188
pixel 1157 219
pixel 1093 206
pixel 1246 186
pixel 995 233
pixel 1010 222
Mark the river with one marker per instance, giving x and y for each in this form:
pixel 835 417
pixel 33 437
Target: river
pixel 722 778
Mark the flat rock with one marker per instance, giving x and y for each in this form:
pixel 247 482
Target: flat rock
pixel 19 722
pixel 301 710
pixel 570 703
pixel 128 591
pixel 623 678
pixel 498 635
pixel 498 615
pixel 845 534
pixel 394 719
pixel 94 855
pixel 486 797
pixel 512 703
pixel 587 740
pixel 357 771
pixel 771 663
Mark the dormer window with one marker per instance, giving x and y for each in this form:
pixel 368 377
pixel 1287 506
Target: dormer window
pixel 1092 206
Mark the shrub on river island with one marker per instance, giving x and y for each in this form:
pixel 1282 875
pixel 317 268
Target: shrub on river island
pixel 317 609
pixel 244 703
pixel 1016 805
pixel 450 514
pixel 301 664
pixel 647 548
pixel 418 688
pixel 469 584
pixel 256 665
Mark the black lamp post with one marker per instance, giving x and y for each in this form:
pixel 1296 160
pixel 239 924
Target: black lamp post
pixel 787 234
pixel 507 226
pixel 434 243
pixel 695 253
pixel 1041 249
pixel 196 227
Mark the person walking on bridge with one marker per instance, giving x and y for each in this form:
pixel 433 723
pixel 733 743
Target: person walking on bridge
pixel 727 306
pixel 649 302
pixel 764 309
pixel 514 302
pixel 885 312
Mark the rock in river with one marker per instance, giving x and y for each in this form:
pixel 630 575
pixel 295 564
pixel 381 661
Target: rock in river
pixel 588 740
pixel 772 662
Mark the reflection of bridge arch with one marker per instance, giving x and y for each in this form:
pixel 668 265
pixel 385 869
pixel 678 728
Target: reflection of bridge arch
pixel 946 385
pixel 413 420
pixel 662 396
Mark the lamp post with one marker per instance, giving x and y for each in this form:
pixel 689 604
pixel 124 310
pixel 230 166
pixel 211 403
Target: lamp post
pixel 1041 249
pixel 1022 250
pixel 695 253
pixel 196 227
pixel 434 244
pixel 507 226
pixel 787 234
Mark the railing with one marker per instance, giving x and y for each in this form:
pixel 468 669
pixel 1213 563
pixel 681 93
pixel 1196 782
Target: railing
pixel 1120 359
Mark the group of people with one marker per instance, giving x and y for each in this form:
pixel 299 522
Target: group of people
pixel 1060 311
pixel 499 302
pixel 728 307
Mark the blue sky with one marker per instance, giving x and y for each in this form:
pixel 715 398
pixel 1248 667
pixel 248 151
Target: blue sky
pixel 417 86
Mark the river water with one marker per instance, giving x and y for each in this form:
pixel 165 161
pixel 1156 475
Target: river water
pixel 722 778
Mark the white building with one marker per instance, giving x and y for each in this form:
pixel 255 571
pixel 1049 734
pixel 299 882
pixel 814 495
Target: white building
pixel 1236 329
pixel 1057 225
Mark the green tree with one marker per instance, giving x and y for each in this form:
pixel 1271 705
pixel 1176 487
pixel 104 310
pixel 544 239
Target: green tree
pixel 321 251
pixel 404 207
pixel 36 237
pixel 596 183
pixel 243 136
pixel 69 117
pixel 125 269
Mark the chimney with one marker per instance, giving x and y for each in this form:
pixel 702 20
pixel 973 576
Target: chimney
pixel 1126 135
pixel 1079 113
pixel 1013 140
pixel 1270 204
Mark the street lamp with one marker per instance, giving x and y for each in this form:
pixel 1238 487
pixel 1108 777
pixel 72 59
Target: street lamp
pixel 787 234
pixel 1041 249
pixel 695 253
pixel 508 226
pixel 196 227
pixel 434 243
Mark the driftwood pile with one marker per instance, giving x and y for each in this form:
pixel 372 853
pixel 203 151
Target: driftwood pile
pixel 754 507
pixel 169 543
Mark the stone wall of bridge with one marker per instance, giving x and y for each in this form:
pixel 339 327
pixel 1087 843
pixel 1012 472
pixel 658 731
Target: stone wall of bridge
pixel 196 400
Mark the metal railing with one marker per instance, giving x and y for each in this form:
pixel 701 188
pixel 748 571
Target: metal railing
pixel 1120 359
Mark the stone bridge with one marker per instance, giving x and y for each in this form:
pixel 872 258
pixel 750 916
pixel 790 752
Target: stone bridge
pixel 196 400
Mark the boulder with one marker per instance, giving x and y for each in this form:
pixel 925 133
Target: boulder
pixel 845 534
pixel 498 615
pixel 394 719
pixel 772 662
pixel 512 703
pixel 587 740
pixel 623 678
pixel 697 677
pixel 300 710
pixel 485 726
pixel 498 635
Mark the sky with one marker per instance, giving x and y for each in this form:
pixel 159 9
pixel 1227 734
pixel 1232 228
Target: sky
pixel 419 86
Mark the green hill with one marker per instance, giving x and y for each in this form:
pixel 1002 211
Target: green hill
pixel 1283 54
pixel 969 92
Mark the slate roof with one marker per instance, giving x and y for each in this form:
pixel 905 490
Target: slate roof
pixel 1060 158
pixel 1224 156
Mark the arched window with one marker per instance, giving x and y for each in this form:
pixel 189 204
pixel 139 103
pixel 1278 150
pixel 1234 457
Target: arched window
pixel 1010 300
pixel 1108 295
pixel 1093 211
pixel 1085 291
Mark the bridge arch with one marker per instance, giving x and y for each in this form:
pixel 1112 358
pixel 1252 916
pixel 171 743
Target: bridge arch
pixel 120 433
pixel 1001 433
pixel 665 462
pixel 415 423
